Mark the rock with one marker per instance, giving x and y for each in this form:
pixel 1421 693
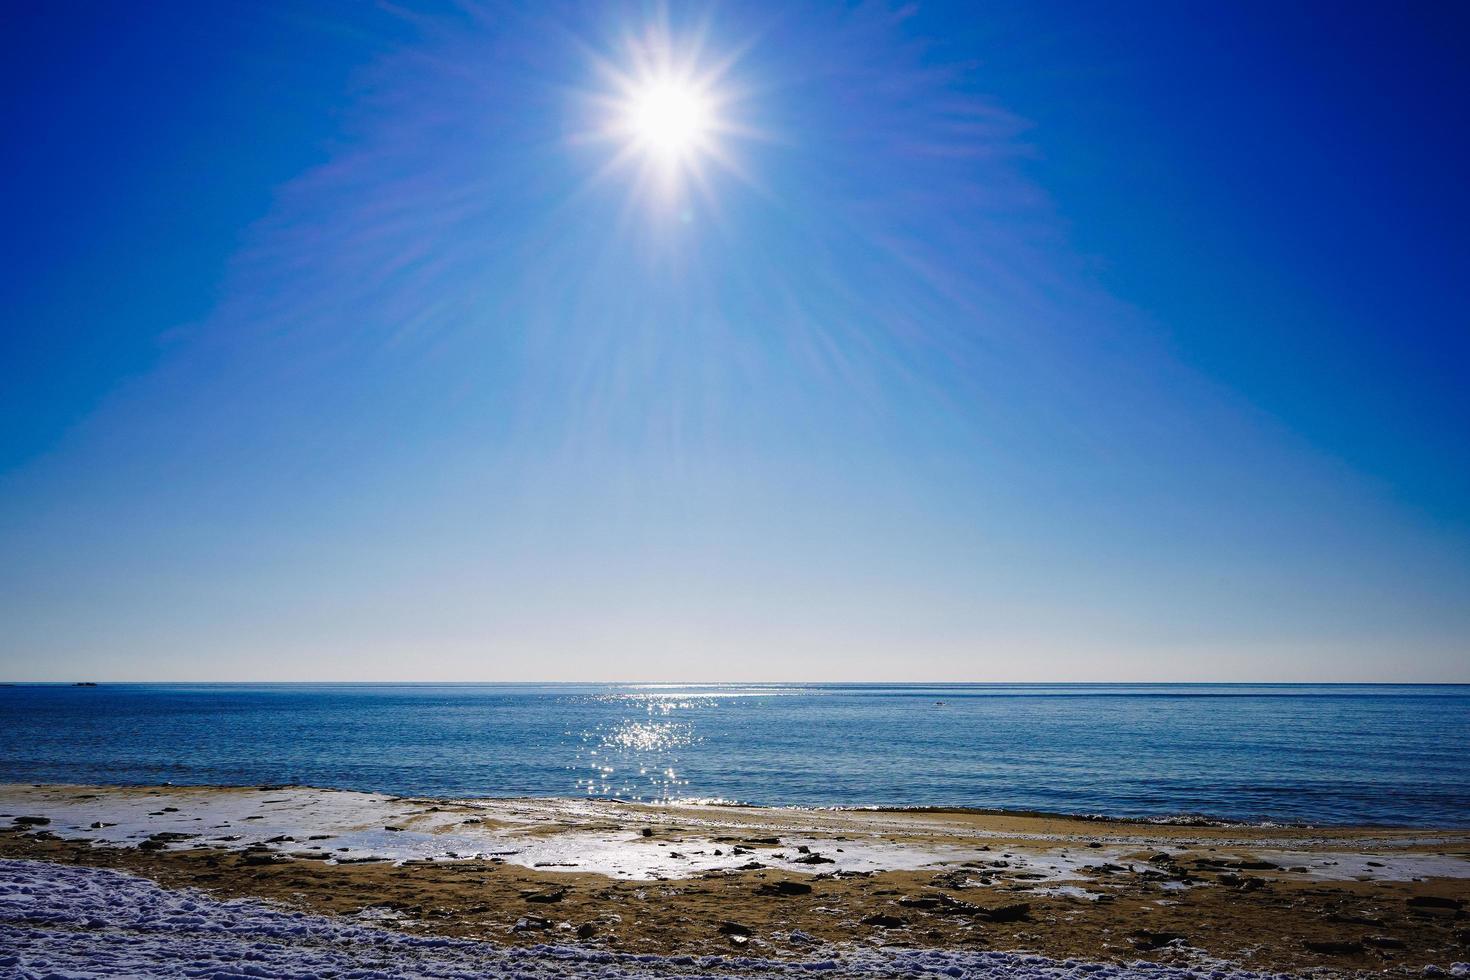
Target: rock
pixel 1334 947
pixel 531 923
pixel 813 859
pixel 803 849
pixel 784 888
pixel 647 831
pixel 1385 942
pixel 1005 913
pixel 545 898
pixel 763 840
pixel 1355 920
pixel 928 903
pixel 1423 902
pixel 396 830
pixel 729 927
pixel 1093 843
pixel 32 821
pixel 1146 939
pixel 1254 865
pixel 586 930
pixel 170 836
pixel 884 921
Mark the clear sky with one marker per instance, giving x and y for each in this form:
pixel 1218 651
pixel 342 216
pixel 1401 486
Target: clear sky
pixel 1018 341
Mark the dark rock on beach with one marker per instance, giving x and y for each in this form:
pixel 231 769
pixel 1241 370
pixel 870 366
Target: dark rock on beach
pixel 784 888
pixel 546 897
pixel 1147 939
pixel 884 921
pixel 1334 947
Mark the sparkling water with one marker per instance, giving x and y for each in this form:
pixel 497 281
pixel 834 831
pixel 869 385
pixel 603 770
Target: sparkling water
pixel 1290 753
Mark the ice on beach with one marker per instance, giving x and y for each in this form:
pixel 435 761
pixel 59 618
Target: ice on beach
pixel 69 921
pixel 606 838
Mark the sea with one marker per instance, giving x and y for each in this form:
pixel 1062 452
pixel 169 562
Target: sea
pixel 1395 755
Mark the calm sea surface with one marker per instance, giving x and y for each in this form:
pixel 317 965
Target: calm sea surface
pixel 1327 754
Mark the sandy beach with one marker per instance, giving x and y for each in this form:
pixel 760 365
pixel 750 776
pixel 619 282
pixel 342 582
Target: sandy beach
pixel 783 885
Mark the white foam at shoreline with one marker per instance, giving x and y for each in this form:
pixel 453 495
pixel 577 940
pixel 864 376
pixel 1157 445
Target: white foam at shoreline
pixel 79 922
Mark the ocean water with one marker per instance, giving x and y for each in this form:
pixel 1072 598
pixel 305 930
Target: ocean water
pixel 1392 754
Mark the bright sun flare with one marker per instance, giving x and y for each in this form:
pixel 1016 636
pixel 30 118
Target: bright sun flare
pixel 669 120
pixel 664 107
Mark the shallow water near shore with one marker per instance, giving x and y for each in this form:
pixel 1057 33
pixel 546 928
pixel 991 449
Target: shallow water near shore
pixel 1343 754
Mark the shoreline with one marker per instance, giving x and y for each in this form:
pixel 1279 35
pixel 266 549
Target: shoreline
pixel 1182 819
pixel 708 879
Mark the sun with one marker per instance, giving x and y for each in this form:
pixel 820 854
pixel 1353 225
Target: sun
pixel 669 119
pixel 669 109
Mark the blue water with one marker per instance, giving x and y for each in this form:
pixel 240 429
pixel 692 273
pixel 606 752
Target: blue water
pixel 1305 753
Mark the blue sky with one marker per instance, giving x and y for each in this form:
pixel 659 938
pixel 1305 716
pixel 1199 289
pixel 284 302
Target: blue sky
pixel 1014 342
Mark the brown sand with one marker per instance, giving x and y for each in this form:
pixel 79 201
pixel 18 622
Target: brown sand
pixel 1170 907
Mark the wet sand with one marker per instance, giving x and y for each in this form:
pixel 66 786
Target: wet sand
pixel 771 882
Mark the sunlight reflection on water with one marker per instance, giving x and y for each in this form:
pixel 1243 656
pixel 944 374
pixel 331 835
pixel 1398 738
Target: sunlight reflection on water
pixel 638 756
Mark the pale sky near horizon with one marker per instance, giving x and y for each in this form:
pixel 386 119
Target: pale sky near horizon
pixel 819 342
